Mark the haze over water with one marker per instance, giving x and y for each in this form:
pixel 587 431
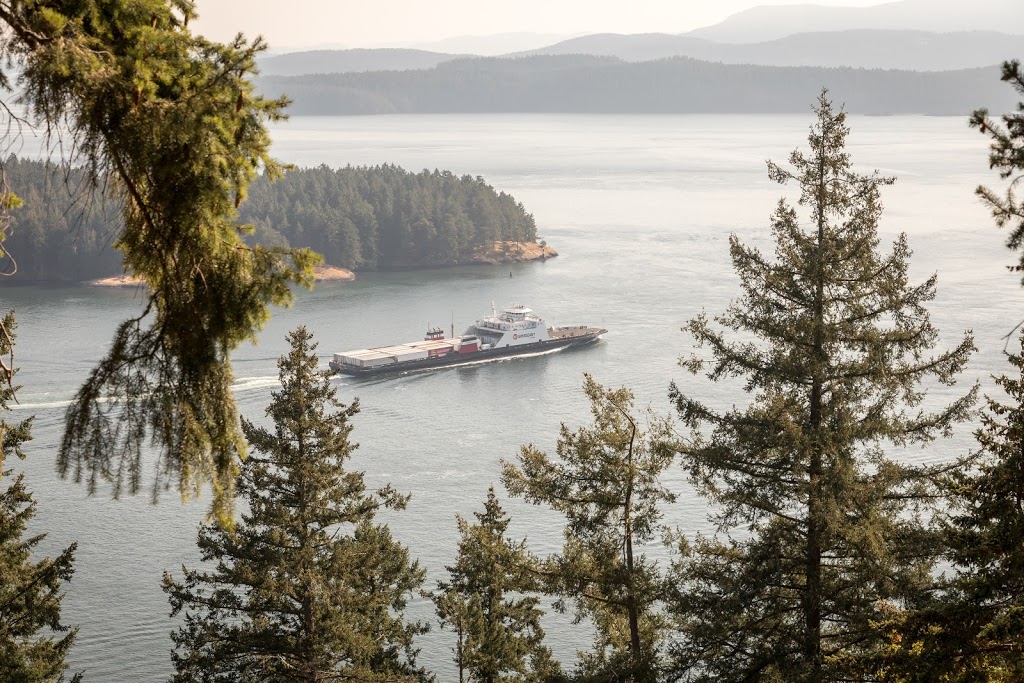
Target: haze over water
pixel 640 208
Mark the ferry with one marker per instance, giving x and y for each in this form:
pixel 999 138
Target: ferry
pixel 514 331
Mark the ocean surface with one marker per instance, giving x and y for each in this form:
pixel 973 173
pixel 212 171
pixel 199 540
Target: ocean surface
pixel 640 209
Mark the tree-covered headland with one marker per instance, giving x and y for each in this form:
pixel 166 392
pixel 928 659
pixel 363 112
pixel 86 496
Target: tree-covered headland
pixel 385 217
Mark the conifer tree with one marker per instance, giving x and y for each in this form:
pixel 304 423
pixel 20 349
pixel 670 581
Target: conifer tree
pixel 818 525
pixel 34 644
pixel 499 636
pixel 605 481
pixel 972 629
pixel 306 587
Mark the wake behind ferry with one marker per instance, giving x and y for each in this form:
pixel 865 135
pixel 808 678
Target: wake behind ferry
pixel 515 331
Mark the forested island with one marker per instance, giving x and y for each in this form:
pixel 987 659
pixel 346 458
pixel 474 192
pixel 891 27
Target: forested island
pixel 385 217
pixel 596 84
pixel 356 217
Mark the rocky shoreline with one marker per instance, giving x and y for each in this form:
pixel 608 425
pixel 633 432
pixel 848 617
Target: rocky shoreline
pixel 513 252
pixel 333 274
pixel 115 281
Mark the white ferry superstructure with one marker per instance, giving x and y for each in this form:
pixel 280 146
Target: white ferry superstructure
pixel 516 330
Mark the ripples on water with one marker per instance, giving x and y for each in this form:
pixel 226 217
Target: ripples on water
pixel 640 208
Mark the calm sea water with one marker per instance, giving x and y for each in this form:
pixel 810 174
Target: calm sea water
pixel 640 208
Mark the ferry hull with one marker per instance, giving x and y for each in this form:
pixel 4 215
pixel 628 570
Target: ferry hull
pixel 456 358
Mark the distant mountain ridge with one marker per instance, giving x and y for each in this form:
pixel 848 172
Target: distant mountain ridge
pixel 864 48
pixel 587 84
pixel 492 45
pixel 919 35
pixel 350 61
pixel 770 22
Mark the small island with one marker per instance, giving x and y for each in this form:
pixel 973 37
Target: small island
pixel 384 217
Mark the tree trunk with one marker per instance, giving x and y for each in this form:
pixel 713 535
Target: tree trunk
pixel 812 592
pixel 634 619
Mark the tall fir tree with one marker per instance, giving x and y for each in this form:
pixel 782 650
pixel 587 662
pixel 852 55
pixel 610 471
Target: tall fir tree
pixel 605 480
pixel 818 526
pixel 486 601
pixel 306 586
pixel 34 644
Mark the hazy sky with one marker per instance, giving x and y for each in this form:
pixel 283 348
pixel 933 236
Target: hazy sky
pixel 298 24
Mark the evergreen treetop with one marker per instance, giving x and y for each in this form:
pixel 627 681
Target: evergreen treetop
pixel 486 602
pixel 970 629
pixel 306 587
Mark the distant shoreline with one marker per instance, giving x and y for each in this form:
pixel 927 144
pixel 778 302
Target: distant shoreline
pixel 320 274
pixel 502 252
pixel 582 84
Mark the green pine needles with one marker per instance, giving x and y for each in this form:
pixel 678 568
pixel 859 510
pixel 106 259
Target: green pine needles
pixel 306 586
pixel 984 539
pixel 970 628
pixel 168 123
pixel 818 524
